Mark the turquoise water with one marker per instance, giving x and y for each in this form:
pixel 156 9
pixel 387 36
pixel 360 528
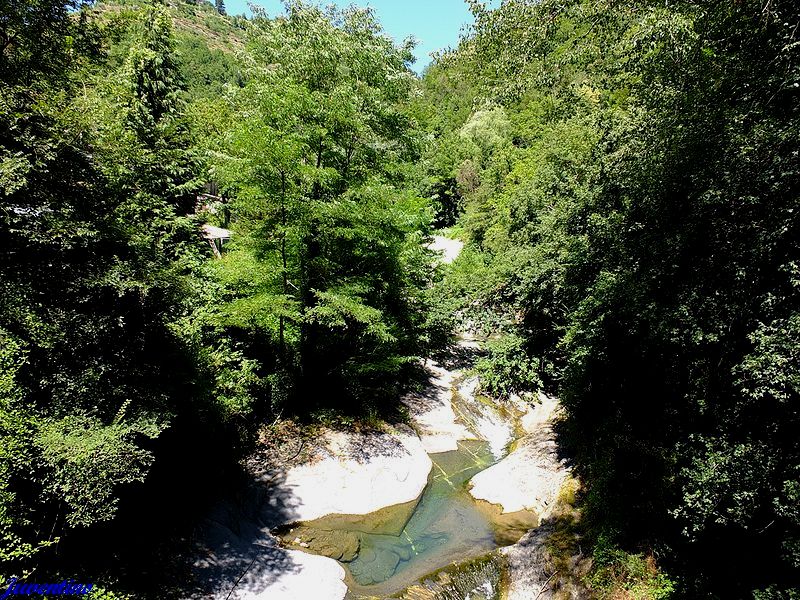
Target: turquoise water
pixel 445 526
pixel 445 523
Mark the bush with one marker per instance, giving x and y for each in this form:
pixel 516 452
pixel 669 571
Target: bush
pixel 635 575
pixel 508 369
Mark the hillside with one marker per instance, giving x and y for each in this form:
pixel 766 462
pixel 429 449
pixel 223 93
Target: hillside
pixel 207 43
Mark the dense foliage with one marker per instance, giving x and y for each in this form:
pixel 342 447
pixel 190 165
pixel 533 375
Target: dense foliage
pixel 93 263
pixel 134 366
pixel 626 178
pixel 629 177
pixel 328 264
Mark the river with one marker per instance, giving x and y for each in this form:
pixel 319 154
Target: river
pixel 399 512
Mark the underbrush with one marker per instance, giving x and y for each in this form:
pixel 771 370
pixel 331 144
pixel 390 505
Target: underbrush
pixel 507 368
pixel 594 563
pixel 621 575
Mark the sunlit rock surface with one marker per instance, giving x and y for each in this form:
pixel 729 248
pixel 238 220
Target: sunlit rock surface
pixel 433 413
pixel 362 473
pixel 532 475
pixel 528 567
pixel 309 577
pixel 485 418
pixel 448 248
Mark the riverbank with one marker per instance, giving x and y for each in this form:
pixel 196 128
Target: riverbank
pixel 532 474
pixel 374 480
pixel 372 512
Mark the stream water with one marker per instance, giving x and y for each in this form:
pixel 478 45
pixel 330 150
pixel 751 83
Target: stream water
pixel 446 524
pixel 398 546
pixel 439 545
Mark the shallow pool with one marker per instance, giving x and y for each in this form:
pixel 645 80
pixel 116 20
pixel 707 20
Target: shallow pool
pixel 399 545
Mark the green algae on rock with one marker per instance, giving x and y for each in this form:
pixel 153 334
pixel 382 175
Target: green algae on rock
pixel 339 545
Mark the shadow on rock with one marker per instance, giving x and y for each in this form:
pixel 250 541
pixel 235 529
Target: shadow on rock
pixel 547 563
pixel 364 446
pixel 237 555
pixel 462 355
pixel 437 386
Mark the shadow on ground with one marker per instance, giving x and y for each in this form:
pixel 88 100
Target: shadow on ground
pixel 366 445
pixel 434 378
pixel 460 356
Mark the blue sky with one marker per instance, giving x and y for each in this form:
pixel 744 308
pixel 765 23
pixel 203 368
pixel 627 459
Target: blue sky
pixel 434 23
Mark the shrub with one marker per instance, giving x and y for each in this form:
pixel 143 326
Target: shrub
pixel 508 369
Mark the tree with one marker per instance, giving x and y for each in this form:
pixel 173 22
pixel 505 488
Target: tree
pixel 92 368
pixel 316 164
pixel 220 5
pixel 166 167
pixel 640 233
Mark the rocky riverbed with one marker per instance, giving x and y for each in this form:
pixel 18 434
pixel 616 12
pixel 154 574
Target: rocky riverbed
pixel 372 512
pixel 373 481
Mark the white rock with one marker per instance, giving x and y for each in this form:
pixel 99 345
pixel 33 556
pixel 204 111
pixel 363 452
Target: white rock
pixel 469 342
pixel 433 414
pixel 532 475
pixel 449 248
pixel 489 425
pixel 242 560
pixel 495 431
pixel 529 571
pixel 364 473
pixel 306 576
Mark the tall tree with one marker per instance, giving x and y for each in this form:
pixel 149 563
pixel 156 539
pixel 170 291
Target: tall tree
pixel 91 366
pixel 166 166
pixel 318 152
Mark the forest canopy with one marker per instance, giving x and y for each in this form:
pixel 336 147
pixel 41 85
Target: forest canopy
pixel 628 180
pixel 624 176
pixel 127 349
